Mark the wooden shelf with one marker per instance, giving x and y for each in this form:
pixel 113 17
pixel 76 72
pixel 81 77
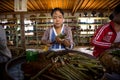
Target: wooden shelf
pixel 40 24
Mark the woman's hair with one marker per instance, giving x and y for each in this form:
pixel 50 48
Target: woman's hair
pixel 116 14
pixel 57 9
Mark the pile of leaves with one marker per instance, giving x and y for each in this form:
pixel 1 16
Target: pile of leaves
pixel 63 66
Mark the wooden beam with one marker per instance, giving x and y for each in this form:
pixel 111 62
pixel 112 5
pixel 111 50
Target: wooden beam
pixel 39 2
pixel 37 6
pixel 112 4
pixel 103 4
pixel 93 4
pixel 46 5
pixel 88 4
pixel 31 4
pixel 75 5
pixel 80 3
pixel 52 4
pixel 22 31
pixel 4 9
pixel 66 3
pixel 84 4
pixel 7 6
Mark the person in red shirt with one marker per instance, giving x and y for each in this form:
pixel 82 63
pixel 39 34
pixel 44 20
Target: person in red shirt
pixel 108 35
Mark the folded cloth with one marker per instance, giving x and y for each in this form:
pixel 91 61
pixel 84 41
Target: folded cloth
pixel 112 76
pixel 3 43
pixel 3 58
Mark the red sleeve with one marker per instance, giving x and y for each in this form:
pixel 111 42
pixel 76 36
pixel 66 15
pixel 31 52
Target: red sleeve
pixel 97 39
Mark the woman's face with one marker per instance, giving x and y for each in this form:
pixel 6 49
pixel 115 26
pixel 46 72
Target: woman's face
pixel 57 19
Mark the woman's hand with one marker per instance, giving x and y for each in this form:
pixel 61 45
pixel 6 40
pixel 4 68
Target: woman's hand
pixel 58 40
pixel 66 43
pixel 62 41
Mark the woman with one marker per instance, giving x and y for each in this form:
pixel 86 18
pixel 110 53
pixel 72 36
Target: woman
pixel 51 35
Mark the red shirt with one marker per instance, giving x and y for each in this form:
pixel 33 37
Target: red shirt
pixel 103 38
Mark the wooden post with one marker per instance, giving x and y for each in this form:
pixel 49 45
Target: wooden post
pixel 22 30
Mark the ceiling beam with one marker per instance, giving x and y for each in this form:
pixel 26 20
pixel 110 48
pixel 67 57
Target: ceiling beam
pixel 39 2
pixel 98 4
pixel 75 5
pixel 51 2
pixel 93 4
pixel 90 2
pixel 103 4
pixel 66 4
pixel 10 5
pixel 35 2
pixel 46 5
pixel 5 4
pixel 31 4
pixel 72 5
pixel 4 9
pixel 80 3
pixel 112 4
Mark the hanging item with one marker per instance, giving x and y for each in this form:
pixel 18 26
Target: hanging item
pixel 20 5
pixel 85 14
pixel 32 17
pixel 100 14
pixel 93 13
pixel 79 15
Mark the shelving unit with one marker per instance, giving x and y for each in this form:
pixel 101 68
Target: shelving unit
pixel 87 27
pixel 12 28
pixel 71 21
pixel 83 28
pixel 39 25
